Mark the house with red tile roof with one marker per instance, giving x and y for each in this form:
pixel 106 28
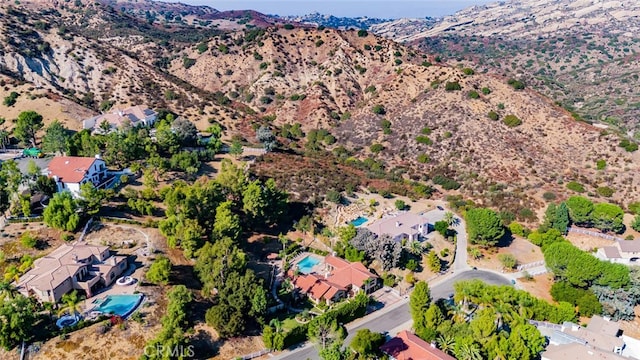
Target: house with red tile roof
pixel 341 279
pixel 408 346
pixel 70 172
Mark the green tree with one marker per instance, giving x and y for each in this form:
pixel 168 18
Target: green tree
pixel 635 225
pixel 91 198
pixel 580 209
pixel 442 227
pixel 333 352
pixel 55 138
pixel 232 177
pixel 159 271
pixel 61 212
pixel 27 125
pixel 608 217
pixel 227 223
pixel 236 148
pixel 400 205
pixel 367 343
pixel 434 262
pixel 215 261
pixel 323 331
pixel 484 226
pixel 17 319
pixel 419 302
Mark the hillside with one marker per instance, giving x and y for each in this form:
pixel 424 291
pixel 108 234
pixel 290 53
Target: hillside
pixel 582 54
pixel 325 79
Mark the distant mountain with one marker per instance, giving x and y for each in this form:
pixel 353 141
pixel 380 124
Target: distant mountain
pixel 583 54
pixel 333 21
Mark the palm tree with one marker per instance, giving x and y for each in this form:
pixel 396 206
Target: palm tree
pixel 71 303
pixel 415 247
pixel 446 343
pixel 7 290
pixel 450 218
pixel 468 352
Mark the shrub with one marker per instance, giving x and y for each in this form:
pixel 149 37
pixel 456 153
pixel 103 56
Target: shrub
pixel 446 183
pixel 426 63
pixel 188 62
pixel 411 265
pixel 370 89
pixel 452 86
pixel 334 196
pixel 362 33
pixel 605 191
pixel 549 196
pixel 379 109
pixel 468 71
pixel 319 43
pixel 400 205
pixel 11 99
pixel 376 148
pixel 493 115
pixel 386 126
pixel 512 121
pixel 630 146
pixel 27 240
pixel 486 90
pixel 422 139
pixel 425 131
pixel 159 271
pixel 516 84
pixel 397 61
pixel 389 280
pixel 473 94
pixel 575 186
pixel 288 26
pixel 508 261
pixel 601 164
pixel 501 106
pixel 202 47
pixel 423 158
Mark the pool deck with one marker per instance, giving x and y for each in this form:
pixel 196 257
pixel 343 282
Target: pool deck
pixel 115 289
pixel 318 269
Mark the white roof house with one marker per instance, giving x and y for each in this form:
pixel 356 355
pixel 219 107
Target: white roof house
pixel 403 226
pixel 117 118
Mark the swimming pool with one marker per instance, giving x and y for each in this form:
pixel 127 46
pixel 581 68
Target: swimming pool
pixel 122 305
pixel 359 221
pixel 306 265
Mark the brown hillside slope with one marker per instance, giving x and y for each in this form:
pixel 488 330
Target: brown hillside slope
pixel 542 154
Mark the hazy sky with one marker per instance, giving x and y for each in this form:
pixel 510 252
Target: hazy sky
pixel 350 8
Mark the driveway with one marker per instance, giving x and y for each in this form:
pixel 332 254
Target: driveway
pixel 460 261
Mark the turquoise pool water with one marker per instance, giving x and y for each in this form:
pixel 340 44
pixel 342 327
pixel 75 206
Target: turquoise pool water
pixel 122 305
pixel 359 221
pixel 306 265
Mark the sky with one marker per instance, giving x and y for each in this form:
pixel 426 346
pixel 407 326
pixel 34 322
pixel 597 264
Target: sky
pixel 386 9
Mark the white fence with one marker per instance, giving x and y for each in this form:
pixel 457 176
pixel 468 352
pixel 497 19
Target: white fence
pixel 594 233
pixel 254 355
pixel 530 265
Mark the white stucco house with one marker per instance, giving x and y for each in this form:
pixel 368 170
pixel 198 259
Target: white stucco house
pixel 70 172
pixel 117 118
pixel 622 252
pixel 412 227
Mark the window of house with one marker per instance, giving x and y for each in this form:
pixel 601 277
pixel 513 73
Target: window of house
pixel 111 276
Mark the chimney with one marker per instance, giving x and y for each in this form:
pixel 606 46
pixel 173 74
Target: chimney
pixel 433 345
pixel 397 223
pixel 326 275
pixel 98 156
pixel 55 178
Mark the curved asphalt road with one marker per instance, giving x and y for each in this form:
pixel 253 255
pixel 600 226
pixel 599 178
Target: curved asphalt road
pixel 398 314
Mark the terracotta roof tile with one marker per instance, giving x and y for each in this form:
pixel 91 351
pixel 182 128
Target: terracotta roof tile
pixel 70 169
pixel 407 346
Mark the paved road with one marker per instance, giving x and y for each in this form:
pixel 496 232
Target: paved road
pixel 397 315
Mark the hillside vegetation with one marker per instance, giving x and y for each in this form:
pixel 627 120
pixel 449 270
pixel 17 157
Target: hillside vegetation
pixel 388 110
